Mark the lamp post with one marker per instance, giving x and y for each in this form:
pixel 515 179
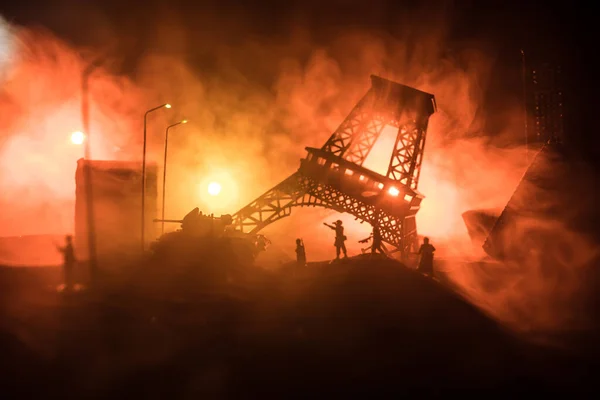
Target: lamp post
pixel 165 171
pixel 166 105
pixel 89 193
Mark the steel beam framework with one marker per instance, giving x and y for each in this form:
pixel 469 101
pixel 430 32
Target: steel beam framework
pixel 333 176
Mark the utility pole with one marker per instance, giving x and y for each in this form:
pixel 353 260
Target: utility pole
pixel 89 192
pixel 87 170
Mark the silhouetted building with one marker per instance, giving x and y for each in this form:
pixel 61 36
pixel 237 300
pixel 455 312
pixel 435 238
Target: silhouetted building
pixel 117 189
pixel 545 108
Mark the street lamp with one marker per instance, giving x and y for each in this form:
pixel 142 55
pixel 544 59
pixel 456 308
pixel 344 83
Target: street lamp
pixel 166 105
pixel 165 171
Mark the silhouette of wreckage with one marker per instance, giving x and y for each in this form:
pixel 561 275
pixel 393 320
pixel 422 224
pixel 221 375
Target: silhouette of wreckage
pixel 334 176
pixel 550 204
pixel 204 236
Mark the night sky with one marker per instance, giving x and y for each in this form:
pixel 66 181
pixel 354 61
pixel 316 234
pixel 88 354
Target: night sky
pixel 547 31
pixel 506 22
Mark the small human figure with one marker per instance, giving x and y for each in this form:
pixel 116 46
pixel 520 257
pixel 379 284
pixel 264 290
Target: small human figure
pixel 426 263
pixel 340 239
pixel 300 253
pixel 68 261
pixel 262 242
pixel 377 242
pixel 376 245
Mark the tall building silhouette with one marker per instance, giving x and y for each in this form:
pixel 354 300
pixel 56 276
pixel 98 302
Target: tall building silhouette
pixel 544 102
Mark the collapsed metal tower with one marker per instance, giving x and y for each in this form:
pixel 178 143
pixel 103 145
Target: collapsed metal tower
pixel 333 176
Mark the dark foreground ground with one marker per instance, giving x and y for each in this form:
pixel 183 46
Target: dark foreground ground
pixel 350 329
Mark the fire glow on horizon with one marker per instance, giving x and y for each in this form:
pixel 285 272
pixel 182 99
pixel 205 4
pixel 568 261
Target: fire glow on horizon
pixel 226 141
pixel 249 136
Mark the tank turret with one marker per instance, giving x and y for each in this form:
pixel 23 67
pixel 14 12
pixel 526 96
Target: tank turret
pixel 206 238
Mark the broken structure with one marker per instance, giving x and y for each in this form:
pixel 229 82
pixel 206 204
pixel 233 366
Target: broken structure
pixel 117 203
pixel 333 176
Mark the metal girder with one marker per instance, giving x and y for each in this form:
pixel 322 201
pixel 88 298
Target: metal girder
pixel 302 191
pixel 393 228
pixel 340 141
pixel 359 149
pixel 386 103
pixel 407 155
pixel 270 207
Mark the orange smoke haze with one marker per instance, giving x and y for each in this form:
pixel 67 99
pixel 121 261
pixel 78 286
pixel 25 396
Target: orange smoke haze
pixel 245 136
pixel 249 136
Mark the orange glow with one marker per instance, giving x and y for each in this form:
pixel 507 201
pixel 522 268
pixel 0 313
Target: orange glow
pixel 214 188
pixel 227 141
pixel 77 137
pixel 454 178
pixel 218 193
pixel 42 99
pixel 378 159
pixel 248 134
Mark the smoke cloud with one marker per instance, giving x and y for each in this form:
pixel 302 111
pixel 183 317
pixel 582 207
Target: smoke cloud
pixel 252 109
pixel 549 277
pixel 241 132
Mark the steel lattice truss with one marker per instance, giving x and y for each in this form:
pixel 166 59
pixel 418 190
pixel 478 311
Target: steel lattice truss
pixel 333 176
pixel 405 164
pixel 301 191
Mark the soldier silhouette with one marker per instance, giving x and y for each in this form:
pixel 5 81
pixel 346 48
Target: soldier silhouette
pixel 68 261
pixel 376 245
pixel 426 263
pixel 340 239
pixel 261 243
pixel 300 253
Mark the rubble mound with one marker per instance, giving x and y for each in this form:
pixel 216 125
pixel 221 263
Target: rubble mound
pixel 361 325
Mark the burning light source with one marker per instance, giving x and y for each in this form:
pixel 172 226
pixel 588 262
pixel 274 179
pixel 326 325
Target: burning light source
pixel 218 190
pixel 77 137
pixel 214 188
pixel 393 191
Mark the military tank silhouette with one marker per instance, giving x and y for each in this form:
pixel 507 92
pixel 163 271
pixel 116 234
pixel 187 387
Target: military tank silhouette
pixel 204 239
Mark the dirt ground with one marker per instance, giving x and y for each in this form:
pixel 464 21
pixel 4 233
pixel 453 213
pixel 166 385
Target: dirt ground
pixel 361 327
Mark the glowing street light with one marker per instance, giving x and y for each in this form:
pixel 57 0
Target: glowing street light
pixel 166 105
pixel 214 188
pixel 77 137
pixel 165 168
